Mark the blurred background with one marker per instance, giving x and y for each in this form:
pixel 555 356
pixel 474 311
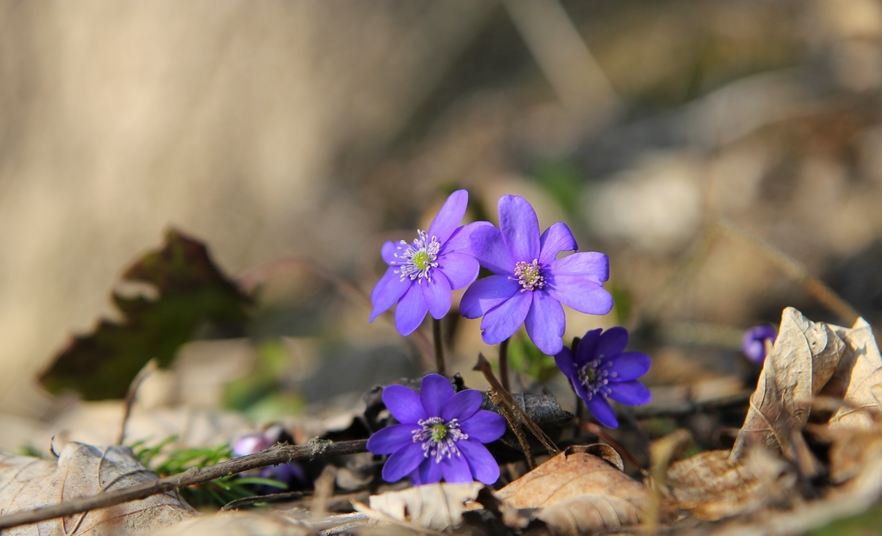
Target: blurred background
pixel 319 129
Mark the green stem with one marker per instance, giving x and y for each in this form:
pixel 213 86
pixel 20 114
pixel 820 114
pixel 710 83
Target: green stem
pixel 439 347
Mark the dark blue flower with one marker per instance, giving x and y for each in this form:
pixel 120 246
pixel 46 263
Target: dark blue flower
pixel 441 434
pixel 602 370
pixel 530 282
pixel 422 274
pixel 753 344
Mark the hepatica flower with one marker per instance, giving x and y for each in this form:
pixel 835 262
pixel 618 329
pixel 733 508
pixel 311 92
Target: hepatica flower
pixel 441 434
pixel 601 370
pixel 422 274
pixel 753 344
pixel 530 283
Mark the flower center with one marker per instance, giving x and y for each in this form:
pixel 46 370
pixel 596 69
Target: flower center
pixel 438 437
pixel 595 376
pixel 418 259
pixel 528 275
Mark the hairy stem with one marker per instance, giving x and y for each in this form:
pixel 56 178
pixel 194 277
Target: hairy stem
pixel 439 346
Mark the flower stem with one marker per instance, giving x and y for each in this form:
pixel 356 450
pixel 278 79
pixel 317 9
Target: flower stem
pixel 439 347
pixel 503 364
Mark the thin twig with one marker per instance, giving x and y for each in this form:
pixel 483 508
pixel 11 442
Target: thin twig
pixel 253 277
pixel 275 455
pixel 439 346
pixel 503 365
pixel 257 499
pixel 132 393
pixel 484 366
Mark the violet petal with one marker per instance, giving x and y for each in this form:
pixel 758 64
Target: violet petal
pixel 489 248
pixel 403 461
pixel 456 470
pixel 411 310
pixel 520 227
pixel 602 411
pixel 485 294
pixel 630 366
pixel 564 361
pixel 449 216
pixel 435 392
pixel 481 463
pixel 388 290
pixel 460 240
pixel 502 321
pixel 459 269
pixel 555 239
pixel 582 295
pixel 436 292
pixel 632 393
pixel 546 323
pixel 428 472
pixel 484 426
pixel 404 404
pixel 463 405
pixel 612 342
pixel 587 347
pixel 388 252
pixel 391 438
pixel 591 265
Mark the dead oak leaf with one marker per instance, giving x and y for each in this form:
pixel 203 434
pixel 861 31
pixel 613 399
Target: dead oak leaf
pixel 803 360
pixel 579 492
pixel 711 486
pixel 433 506
pixel 860 371
pixel 83 470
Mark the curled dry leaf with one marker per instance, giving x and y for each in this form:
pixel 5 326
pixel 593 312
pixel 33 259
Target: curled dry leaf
pixel 579 492
pixel 803 359
pixel 860 372
pixel 434 506
pixel 712 486
pixel 83 471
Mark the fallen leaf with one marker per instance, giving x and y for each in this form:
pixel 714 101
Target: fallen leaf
pixel 83 470
pixel 804 358
pixel 579 492
pixel 712 486
pixel 191 293
pixel 238 524
pixel 860 371
pixel 434 506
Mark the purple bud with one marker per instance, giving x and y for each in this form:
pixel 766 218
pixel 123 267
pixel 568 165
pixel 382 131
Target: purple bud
pixel 754 342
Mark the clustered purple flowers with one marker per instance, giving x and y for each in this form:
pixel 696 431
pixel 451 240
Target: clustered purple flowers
pixel 441 434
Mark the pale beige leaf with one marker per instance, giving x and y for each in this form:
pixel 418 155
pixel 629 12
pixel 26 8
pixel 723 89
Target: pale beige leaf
pixel 238 524
pixel 712 486
pixel 860 372
pixel 83 471
pixel 434 506
pixel 579 492
pixel 804 358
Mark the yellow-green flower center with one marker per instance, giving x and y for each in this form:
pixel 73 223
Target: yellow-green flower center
pixel 420 259
pixel 528 275
pixel 439 432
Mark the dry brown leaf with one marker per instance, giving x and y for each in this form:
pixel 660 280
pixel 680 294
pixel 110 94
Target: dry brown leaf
pixel 434 506
pixel 804 358
pixel 860 371
pixel 711 486
pixel 83 471
pixel 579 492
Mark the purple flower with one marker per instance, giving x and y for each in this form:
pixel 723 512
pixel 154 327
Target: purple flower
pixel 286 473
pixel 601 369
pixel 753 344
pixel 422 274
pixel 530 282
pixel 440 435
